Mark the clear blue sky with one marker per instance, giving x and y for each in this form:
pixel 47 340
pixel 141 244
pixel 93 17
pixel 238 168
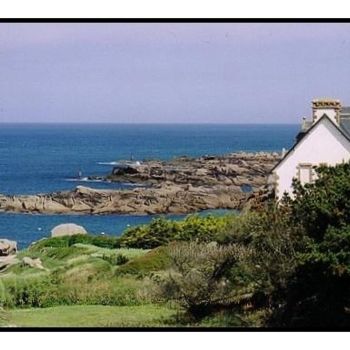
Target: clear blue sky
pixel 185 73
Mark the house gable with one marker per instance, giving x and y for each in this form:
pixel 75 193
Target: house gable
pixel 324 142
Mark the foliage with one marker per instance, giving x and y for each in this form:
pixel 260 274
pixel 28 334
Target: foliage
pixel 324 203
pixel 68 241
pixel 29 291
pixel 155 260
pixel 162 231
pixel 78 274
pixel 159 232
pixel 317 292
pixel 121 259
pixel 200 277
pixel 284 265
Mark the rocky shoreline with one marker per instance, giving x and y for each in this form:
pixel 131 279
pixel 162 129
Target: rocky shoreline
pixel 179 186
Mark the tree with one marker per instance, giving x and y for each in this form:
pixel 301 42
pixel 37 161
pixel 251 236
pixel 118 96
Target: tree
pixel 317 293
pixel 324 203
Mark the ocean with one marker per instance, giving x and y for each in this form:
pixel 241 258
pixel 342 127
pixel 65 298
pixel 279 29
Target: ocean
pixel 40 158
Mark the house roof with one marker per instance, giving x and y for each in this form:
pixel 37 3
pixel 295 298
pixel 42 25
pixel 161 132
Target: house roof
pixel 344 129
pixel 345 125
pixel 345 110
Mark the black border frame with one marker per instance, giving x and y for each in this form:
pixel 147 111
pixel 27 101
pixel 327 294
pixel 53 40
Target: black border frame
pixel 174 20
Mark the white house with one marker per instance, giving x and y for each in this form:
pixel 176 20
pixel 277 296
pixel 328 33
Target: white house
pixel 323 140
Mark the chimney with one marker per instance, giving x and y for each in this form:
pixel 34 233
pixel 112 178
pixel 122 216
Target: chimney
pixel 330 107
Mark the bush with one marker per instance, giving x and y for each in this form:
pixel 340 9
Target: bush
pixel 159 232
pixel 324 203
pixel 121 259
pixel 200 278
pixel 317 292
pixel 162 231
pixel 25 291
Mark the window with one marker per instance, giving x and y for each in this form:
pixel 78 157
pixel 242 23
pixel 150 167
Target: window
pixel 305 173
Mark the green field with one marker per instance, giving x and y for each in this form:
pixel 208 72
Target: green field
pixel 89 316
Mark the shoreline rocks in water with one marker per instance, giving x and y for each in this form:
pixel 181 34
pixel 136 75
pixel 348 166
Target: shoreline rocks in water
pixel 179 186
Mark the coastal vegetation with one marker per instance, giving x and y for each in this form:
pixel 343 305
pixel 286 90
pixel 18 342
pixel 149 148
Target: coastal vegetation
pixel 285 265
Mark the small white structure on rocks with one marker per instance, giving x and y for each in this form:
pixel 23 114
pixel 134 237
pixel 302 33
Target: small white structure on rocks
pixel 323 140
pixel 67 230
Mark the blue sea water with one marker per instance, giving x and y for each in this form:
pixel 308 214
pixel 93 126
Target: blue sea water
pixel 39 158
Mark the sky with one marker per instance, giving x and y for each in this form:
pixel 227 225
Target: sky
pixel 170 72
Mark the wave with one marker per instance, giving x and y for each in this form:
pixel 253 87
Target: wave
pixel 108 163
pixel 86 179
pixel 132 184
pixel 122 163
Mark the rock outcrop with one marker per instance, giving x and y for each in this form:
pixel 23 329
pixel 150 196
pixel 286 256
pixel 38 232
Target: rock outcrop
pixel 33 263
pixel 183 185
pixel 233 169
pixel 7 247
pixel 7 261
pixel 68 230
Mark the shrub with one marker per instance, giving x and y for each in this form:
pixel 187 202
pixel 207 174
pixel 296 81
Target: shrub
pixel 25 291
pixel 324 203
pixel 159 232
pixel 318 292
pixel 200 278
pixel 162 231
pixel 121 259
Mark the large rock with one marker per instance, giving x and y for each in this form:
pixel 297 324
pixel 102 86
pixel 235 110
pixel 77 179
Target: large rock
pixel 7 261
pixel 67 230
pixel 7 247
pixel 34 263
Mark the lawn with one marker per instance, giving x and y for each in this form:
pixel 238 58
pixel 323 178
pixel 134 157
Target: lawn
pixel 82 285
pixel 90 316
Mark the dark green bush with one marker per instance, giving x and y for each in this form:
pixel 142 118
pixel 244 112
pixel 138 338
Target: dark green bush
pixel 324 203
pixel 121 259
pixel 317 292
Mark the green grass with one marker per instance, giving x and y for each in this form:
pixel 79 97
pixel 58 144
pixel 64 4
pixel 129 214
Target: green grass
pixel 90 316
pixel 56 257
pixel 155 260
pixel 81 274
pixel 111 254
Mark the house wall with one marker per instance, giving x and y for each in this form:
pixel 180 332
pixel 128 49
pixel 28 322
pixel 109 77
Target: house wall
pixel 323 144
